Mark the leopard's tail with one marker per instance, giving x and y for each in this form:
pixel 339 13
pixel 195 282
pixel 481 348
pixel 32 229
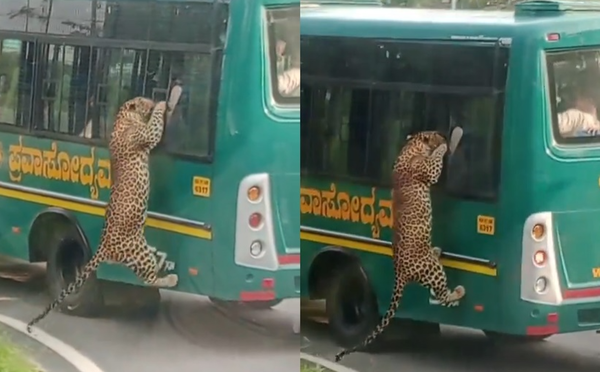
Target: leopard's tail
pixel 385 321
pixel 89 268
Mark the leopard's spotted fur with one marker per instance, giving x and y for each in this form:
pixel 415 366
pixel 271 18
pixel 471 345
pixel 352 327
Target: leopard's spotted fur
pixel 416 169
pixel 138 129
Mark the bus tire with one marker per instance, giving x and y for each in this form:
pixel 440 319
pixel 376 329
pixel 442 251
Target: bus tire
pixel 66 257
pixel 150 305
pixel 498 337
pixel 262 305
pixel 351 306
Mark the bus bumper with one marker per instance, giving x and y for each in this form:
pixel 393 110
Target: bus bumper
pixel 272 285
pixel 579 317
pixel 566 318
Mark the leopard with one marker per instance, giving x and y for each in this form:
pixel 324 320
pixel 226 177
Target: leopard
pixel 416 169
pixel 138 128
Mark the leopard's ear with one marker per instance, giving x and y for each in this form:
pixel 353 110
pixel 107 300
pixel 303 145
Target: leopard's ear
pixel 409 137
pixel 130 105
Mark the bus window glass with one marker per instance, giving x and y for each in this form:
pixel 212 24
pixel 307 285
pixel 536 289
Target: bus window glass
pixel 356 122
pixel 116 77
pixel 284 53
pixel 83 87
pixel 10 69
pixel 64 106
pixel 574 78
pixel 188 97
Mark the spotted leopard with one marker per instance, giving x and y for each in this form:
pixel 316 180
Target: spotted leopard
pixel 416 169
pixel 138 129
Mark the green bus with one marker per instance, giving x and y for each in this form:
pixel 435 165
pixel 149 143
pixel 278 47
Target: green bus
pixel 518 197
pixel 221 210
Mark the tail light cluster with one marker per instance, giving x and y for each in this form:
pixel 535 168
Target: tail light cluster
pixel 256 219
pixel 540 257
pixel 538 233
pixel 255 242
pixel 539 276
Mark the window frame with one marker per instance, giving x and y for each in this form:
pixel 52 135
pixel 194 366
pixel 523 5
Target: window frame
pixel 214 51
pixel 550 58
pixel 498 93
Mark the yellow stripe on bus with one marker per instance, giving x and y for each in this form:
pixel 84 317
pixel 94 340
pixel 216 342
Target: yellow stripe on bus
pixel 376 249
pixel 99 211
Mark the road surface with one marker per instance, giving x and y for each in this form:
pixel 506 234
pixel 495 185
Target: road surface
pixel 189 335
pixel 463 350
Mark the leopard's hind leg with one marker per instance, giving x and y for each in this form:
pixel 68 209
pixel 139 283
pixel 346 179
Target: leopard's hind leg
pixel 162 257
pixel 434 278
pixel 146 266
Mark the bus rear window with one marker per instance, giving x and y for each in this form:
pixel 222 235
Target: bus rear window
pixel 284 54
pixel 574 78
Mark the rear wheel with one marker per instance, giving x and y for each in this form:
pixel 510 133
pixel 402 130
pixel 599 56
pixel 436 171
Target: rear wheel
pixel 147 301
pixel 66 259
pixel 351 306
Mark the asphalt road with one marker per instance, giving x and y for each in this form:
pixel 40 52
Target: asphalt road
pixel 189 335
pixel 464 350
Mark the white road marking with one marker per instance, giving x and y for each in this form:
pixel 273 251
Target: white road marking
pixel 325 363
pixel 67 352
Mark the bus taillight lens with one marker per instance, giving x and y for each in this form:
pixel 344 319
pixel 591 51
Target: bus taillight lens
pixel 254 194
pixel 541 284
pixel 256 249
pixel 255 220
pixel 539 258
pixel 538 232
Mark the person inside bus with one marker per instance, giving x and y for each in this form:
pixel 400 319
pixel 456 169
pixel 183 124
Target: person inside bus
pixel 581 118
pixel 174 120
pixel 288 77
pixel 87 130
pixel 173 100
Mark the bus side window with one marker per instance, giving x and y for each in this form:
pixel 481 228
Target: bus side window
pixel 392 120
pixel 62 102
pixel 398 88
pixel 26 74
pixel 11 65
pixel 305 101
pixel 188 93
pixel 472 169
pixel 325 129
pixel 114 77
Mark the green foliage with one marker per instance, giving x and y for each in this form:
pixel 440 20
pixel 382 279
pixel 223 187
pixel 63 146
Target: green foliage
pixel 306 366
pixel 12 360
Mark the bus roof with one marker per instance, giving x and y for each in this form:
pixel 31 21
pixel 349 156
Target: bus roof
pixel 532 18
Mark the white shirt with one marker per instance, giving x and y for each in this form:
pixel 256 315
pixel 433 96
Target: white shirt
pixel 573 120
pixel 288 81
pixel 174 96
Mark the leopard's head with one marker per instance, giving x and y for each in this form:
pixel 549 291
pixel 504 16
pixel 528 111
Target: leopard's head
pixel 425 142
pixel 139 105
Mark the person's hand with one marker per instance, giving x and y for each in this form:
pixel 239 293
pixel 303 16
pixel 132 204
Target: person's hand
pixel 592 131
